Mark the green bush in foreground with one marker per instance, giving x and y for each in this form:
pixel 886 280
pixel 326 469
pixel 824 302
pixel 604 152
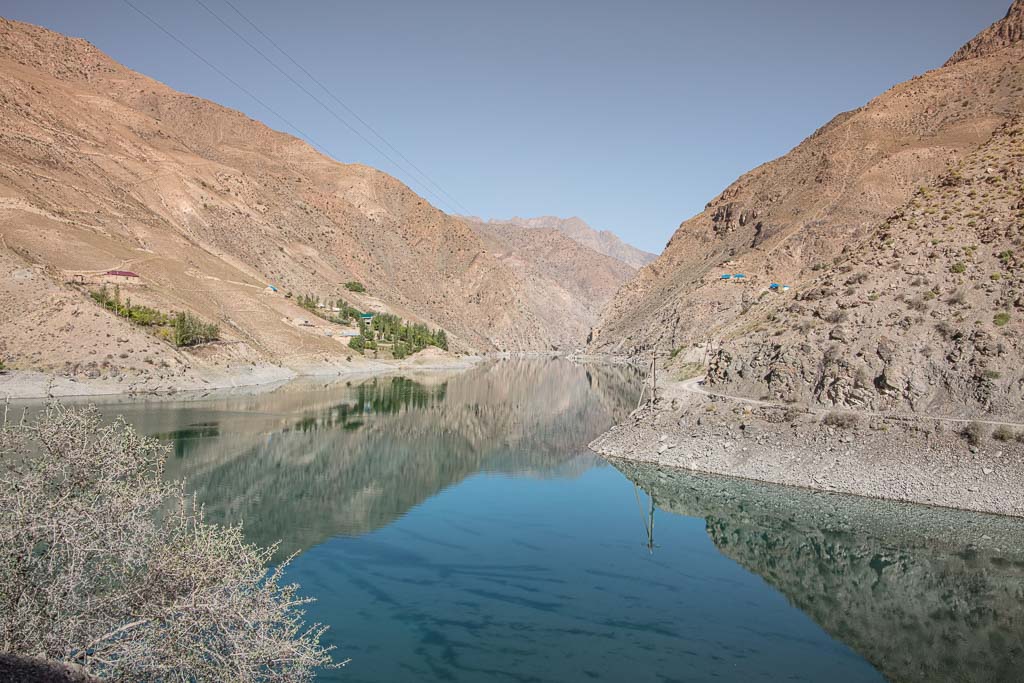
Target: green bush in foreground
pixel 105 565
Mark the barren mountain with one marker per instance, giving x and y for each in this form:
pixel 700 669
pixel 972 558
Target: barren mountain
pixel 577 280
pixel 603 241
pixel 797 219
pixel 925 314
pixel 102 168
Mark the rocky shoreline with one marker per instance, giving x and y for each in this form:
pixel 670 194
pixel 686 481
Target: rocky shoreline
pixel 969 466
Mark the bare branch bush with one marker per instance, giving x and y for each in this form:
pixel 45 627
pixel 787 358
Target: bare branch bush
pixel 105 565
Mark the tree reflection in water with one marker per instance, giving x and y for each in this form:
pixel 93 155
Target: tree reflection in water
pixel 301 465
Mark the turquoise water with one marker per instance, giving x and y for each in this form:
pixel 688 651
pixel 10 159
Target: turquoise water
pixel 458 529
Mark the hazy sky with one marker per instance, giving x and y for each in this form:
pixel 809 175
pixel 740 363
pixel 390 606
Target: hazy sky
pixel 631 115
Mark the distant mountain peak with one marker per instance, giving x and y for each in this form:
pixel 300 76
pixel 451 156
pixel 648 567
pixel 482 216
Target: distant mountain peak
pixel 1006 32
pixel 602 241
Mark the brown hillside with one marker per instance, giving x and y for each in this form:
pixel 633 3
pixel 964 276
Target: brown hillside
pixel 103 168
pixel 787 219
pixel 602 241
pixel 575 281
pixel 926 315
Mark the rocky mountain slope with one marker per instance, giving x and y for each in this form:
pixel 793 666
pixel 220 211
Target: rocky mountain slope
pixel 801 217
pixel 603 241
pixel 103 168
pixel 578 280
pixel 926 314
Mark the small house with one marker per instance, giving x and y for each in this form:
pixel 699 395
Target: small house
pixel 785 288
pixel 271 288
pixel 366 317
pixel 774 286
pixel 739 276
pixel 726 276
pixel 125 275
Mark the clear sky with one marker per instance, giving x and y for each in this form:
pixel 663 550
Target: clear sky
pixel 630 114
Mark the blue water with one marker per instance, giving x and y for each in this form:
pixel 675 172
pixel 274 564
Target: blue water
pixel 458 529
pixel 520 579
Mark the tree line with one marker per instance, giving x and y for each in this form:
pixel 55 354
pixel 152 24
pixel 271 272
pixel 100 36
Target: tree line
pixel 181 329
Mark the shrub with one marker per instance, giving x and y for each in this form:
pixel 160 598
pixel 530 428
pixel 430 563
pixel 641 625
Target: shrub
pixel 958 297
pixel 842 420
pixel 355 286
pixel 974 433
pixel 958 267
pixel 1004 433
pixel 105 565
pixel 357 343
pixel 836 315
pixel 190 330
pixel 1001 319
pixel 918 304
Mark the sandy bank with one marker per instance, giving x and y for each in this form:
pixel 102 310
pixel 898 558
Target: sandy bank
pixel 202 381
pixel 893 458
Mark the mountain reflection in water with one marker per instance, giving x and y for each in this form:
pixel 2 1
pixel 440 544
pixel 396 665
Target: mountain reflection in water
pixel 299 465
pixel 923 594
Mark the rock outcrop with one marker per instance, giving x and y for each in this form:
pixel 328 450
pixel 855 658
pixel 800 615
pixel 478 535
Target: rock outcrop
pixel 1004 33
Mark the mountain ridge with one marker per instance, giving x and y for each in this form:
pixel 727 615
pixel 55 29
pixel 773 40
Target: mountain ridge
pixel 602 241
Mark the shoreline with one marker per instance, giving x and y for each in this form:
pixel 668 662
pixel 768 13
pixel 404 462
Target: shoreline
pixel 32 386
pixel 923 461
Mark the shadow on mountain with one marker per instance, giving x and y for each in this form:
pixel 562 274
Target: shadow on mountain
pixel 924 594
pixel 303 463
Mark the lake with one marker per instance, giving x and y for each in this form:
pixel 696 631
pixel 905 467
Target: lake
pixel 457 528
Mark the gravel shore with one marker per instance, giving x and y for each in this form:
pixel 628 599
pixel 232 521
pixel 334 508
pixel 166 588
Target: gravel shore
pixel 913 460
pixel 204 380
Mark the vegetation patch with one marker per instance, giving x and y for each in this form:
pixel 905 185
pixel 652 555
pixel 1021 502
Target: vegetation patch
pixel 842 420
pixel 180 329
pixel 383 329
pixel 1004 433
pixel 355 286
pixel 974 433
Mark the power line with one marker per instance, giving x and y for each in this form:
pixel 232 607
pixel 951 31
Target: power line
pixel 226 77
pixel 345 106
pixel 316 99
pixel 313 141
